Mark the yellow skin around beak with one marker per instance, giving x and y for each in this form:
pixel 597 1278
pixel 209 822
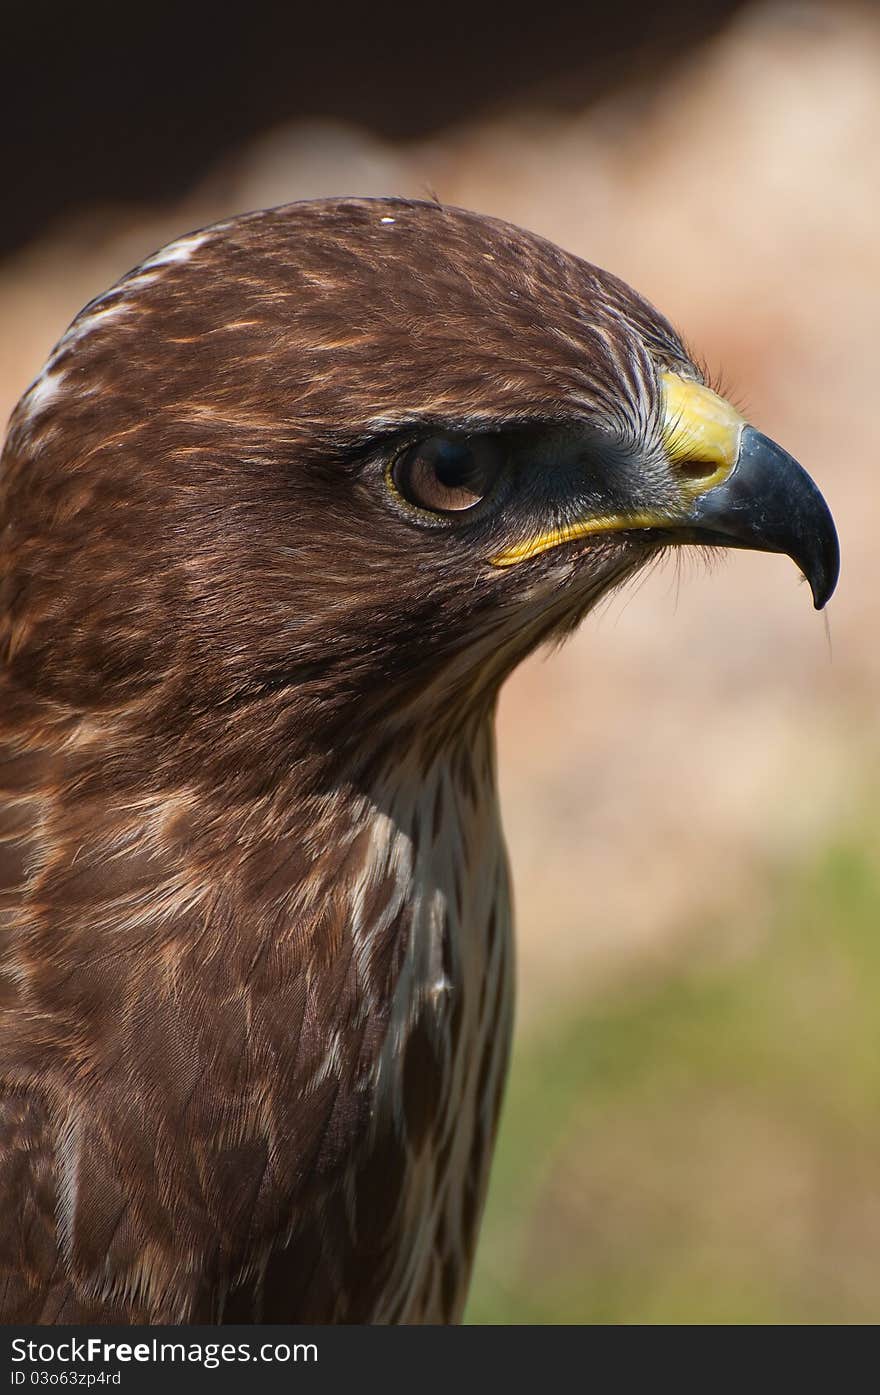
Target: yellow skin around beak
pixel 699 429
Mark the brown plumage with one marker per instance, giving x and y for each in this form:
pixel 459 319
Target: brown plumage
pixel 255 978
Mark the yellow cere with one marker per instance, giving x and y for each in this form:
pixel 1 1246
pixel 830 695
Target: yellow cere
pixel 699 428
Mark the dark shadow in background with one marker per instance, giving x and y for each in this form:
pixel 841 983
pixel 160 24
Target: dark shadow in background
pixel 134 102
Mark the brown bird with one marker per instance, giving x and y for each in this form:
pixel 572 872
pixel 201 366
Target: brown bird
pixel 281 513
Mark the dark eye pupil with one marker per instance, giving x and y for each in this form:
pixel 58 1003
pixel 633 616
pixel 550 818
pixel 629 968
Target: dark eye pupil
pixel 454 465
pixel 449 474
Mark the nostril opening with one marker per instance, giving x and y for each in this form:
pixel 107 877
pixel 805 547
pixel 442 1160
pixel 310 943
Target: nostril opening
pixel 697 469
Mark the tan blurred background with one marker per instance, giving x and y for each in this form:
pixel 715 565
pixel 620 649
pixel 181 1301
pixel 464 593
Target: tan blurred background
pixel 691 787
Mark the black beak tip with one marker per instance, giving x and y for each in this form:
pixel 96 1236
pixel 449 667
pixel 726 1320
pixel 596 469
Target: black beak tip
pixel 812 541
pixel 824 570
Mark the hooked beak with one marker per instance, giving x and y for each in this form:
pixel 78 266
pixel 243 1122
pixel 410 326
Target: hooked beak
pixel 768 502
pixel 757 496
pixel 729 486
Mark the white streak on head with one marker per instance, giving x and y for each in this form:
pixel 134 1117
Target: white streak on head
pixel 51 382
pixel 98 314
pixel 386 220
pixel 84 324
pixel 41 394
pixel 134 283
pixel 179 251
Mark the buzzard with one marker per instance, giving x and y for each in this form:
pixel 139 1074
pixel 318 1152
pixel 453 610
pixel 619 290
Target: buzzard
pixel 283 510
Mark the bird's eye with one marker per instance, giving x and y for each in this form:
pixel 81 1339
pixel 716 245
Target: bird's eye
pixel 448 474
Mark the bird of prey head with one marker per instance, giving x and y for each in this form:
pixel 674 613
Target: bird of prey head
pixel 365 448
pixel 285 507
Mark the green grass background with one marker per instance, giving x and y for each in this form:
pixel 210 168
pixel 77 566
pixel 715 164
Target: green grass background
pixel 705 1148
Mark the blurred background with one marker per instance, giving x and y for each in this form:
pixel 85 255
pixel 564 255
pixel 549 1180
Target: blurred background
pixel 691 787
